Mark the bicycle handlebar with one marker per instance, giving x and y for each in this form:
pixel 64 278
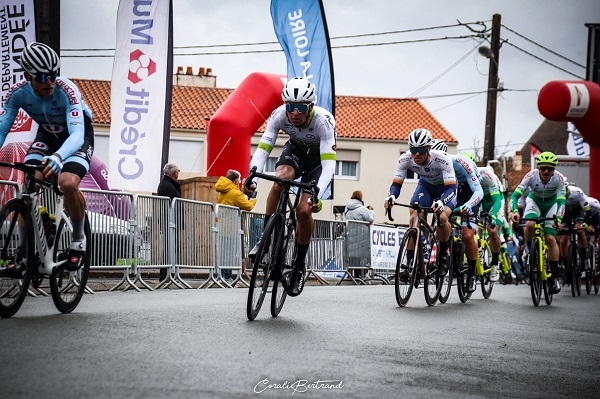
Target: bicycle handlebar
pixel 312 185
pixel 416 206
pixel 30 169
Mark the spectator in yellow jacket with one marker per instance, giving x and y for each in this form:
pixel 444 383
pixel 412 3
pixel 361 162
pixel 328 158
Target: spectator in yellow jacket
pixel 228 187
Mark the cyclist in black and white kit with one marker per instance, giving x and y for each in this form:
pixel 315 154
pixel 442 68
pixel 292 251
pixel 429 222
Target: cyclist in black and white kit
pixel 309 153
pixel 65 138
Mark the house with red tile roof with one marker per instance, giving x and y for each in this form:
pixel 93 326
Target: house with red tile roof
pixel 372 132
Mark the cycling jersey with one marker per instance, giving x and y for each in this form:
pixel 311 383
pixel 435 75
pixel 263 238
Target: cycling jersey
pixel 492 196
pixel 317 137
pixel 577 198
pixel 542 193
pixel 437 172
pixel 60 114
pixel 467 173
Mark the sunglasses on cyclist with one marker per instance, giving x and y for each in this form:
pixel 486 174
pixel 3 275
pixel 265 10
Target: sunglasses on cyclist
pixel 42 77
pixel 418 150
pixel 300 107
pixel 546 169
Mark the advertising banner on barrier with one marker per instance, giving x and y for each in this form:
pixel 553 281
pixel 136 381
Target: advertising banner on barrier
pixel 140 94
pixel 385 243
pixel 301 29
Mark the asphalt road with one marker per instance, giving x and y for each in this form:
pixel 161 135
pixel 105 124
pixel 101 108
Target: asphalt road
pixel 330 342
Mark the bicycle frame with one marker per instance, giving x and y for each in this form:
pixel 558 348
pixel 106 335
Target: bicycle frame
pixel 32 198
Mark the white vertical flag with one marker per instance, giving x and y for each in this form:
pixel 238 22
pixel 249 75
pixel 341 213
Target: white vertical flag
pixel 139 86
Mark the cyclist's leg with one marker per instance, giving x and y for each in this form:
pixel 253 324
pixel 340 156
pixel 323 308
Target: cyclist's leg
pixel 553 251
pixel 443 229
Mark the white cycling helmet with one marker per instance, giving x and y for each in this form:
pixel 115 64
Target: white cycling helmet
pixel 439 144
pixel 39 58
pixel 419 138
pixel 299 90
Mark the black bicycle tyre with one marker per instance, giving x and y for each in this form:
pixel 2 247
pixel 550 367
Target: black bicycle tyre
pixel 486 284
pixel 535 280
pixel 404 289
pixel 279 290
pixel 10 304
pixel 261 272
pixel 589 272
pixel 432 283
pixel 66 287
pixel 447 282
pixel 462 275
pixel 595 271
pixel 574 260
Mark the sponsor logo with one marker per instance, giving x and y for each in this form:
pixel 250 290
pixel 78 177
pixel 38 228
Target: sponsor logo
pixel 140 66
pixel 75 113
pixel 38 145
pixel 69 90
pixel 51 128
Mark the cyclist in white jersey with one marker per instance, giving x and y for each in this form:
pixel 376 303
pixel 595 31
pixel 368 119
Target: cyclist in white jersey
pixel 593 217
pixel 65 138
pixel 576 208
pixel 546 199
pixel 309 154
pixel 436 187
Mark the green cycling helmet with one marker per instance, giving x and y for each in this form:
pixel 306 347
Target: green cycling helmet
pixel 469 155
pixel 548 158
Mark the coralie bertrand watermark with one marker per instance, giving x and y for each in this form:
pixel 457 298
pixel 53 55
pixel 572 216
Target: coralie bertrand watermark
pixel 298 386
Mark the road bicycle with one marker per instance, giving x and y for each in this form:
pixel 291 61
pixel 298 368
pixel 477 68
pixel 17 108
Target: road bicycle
pixel 411 270
pixel 483 266
pixel 459 267
pixel 592 274
pixel 538 262
pixel 26 252
pixel 276 247
pixel 575 264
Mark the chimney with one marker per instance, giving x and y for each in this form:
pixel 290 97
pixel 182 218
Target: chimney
pixel 204 78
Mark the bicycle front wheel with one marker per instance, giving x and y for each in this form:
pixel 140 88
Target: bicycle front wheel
pixel 485 257
pixel 462 270
pixel 535 277
pixel 16 256
pixel 433 283
pixel 67 287
pixel 406 267
pixel 447 281
pixel 264 264
pixel 589 272
pixel 279 290
pixel 574 267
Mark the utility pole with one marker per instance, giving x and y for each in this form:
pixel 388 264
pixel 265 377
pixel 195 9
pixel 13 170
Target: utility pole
pixel 492 93
pixel 47 23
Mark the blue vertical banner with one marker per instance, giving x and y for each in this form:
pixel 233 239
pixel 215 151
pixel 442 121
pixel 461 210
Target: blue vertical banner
pixel 301 29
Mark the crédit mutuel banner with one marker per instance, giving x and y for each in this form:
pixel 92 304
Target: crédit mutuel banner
pixel 141 88
pixel 17 29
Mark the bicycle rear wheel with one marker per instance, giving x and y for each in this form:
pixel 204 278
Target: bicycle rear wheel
pixel 595 270
pixel 589 272
pixel 404 279
pixel 535 278
pixel 447 281
pixel 279 291
pixel 16 256
pixel 486 258
pixel 67 287
pixel 264 264
pixel 432 283
pixel 462 269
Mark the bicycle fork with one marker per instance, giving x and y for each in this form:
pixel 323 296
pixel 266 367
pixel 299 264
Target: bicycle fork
pixel 47 265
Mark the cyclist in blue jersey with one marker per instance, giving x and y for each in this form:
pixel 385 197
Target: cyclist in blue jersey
pixel 65 137
pixel 470 194
pixel 436 188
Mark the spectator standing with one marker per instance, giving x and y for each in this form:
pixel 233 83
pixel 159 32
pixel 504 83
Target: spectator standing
pixel 169 187
pixel 358 234
pixel 356 209
pixel 228 187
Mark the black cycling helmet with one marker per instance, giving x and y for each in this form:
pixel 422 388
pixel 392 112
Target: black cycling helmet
pixel 39 58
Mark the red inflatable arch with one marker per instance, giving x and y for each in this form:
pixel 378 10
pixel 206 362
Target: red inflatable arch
pixel 576 101
pixel 230 129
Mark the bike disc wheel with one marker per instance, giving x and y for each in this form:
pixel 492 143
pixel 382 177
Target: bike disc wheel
pixel 535 278
pixel 263 265
pixel 16 257
pixel 404 288
pixel 67 287
pixel 432 283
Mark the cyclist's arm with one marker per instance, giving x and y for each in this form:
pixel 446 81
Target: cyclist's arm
pixel 327 147
pixel 450 185
pixel 266 144
pixel 400 174
pixel 74 117
pixel 7 117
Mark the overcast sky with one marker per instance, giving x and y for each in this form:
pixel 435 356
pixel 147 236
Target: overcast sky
pixel 423 69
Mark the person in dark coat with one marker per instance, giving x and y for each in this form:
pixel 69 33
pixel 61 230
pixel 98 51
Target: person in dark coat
pixel 169 187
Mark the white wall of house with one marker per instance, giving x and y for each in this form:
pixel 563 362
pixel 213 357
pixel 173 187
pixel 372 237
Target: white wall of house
pixel 376 166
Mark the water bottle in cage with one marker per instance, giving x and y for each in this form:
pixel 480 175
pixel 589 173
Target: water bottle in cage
pixel 49 225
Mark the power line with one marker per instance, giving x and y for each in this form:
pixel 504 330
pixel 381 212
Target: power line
pixel 543 47
pixel 543 60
